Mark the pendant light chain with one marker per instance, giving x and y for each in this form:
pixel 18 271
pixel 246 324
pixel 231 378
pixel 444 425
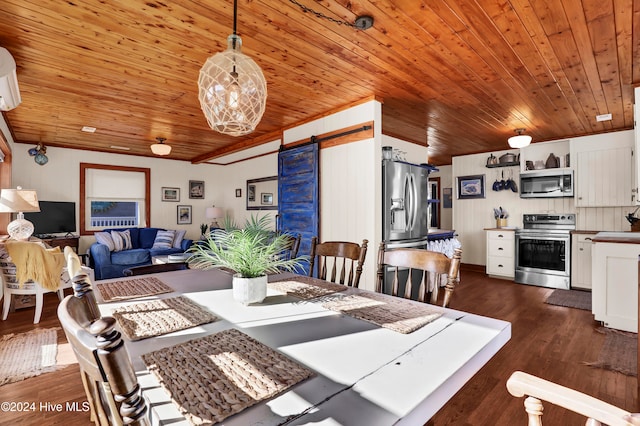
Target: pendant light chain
pixel 361 23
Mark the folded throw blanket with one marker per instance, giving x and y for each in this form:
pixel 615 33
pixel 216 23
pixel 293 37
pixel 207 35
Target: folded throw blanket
pixel 36 263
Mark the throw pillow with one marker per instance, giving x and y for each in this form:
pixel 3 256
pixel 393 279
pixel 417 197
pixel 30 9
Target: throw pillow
pixel 177 240
pixel 164 239
pixel 121 240
pixel 105 238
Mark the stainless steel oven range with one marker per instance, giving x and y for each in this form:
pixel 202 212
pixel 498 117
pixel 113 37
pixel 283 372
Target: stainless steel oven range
pixel 543 250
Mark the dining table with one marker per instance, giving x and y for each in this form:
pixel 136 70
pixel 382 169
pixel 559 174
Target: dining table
pixel 361 373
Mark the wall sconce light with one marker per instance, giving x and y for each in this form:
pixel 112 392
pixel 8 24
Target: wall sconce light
pixel 39 154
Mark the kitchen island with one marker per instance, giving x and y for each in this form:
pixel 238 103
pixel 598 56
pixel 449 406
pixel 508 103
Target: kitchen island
pixel 614 271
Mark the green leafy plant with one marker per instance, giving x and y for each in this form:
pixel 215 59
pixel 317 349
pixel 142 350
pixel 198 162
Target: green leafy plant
pixel 251 251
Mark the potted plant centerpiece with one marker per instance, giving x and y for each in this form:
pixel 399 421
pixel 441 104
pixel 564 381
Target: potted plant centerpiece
pixel 252 252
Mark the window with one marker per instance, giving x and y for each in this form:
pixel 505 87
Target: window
pixel 113 197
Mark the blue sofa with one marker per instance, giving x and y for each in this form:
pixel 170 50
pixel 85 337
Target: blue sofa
pixel 111 264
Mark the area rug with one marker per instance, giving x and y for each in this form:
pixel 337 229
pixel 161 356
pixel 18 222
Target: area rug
pixel 571 299
pixel 157 317
pixel 28 354
pixel 619 352
pixel 214 377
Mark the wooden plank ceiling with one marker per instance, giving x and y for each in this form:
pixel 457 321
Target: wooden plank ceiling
pixel 458 75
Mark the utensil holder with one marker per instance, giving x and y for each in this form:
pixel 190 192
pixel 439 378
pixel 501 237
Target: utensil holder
pixel 501 223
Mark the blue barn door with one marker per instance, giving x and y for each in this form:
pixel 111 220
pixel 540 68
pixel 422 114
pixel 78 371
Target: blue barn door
pixel 298 196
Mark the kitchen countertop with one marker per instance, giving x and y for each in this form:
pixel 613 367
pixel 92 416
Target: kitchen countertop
pixel 617 237
pixel 508 228
pixel 440 234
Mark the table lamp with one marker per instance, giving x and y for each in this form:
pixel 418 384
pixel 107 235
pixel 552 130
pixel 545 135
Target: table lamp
pixel 214 213
pixel 19 201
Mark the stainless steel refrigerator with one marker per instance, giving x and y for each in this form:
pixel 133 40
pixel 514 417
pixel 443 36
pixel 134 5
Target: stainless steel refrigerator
pixel 405 203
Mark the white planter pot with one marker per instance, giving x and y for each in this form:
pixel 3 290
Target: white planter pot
pixel 249 290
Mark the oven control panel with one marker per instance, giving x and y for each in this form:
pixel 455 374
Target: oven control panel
pixel 543 220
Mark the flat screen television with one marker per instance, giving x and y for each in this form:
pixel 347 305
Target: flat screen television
pixel 54 217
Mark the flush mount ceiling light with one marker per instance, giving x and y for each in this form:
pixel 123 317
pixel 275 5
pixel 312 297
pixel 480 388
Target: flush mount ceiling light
pixel 520 140
pixel 232 89
pixel 160 148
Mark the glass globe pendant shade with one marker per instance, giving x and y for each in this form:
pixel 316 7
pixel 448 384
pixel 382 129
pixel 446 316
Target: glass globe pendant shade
pixel 232 90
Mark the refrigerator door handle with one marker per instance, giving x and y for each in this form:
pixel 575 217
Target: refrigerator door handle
pixel 414 203
pixel 409 201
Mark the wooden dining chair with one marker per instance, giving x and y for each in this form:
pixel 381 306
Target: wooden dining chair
pixel 337 258
pixel 154 269
pixel 108 377
pixel 292 246
pixel 428 266
pixel 536 390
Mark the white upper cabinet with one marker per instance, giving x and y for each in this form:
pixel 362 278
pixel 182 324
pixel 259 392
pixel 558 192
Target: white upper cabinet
pixel 604 170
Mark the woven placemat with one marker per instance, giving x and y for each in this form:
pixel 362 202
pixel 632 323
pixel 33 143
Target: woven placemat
pixel 306 287
pixel 390 312
pixel 133 288
pixel 162 316
pixel 214 377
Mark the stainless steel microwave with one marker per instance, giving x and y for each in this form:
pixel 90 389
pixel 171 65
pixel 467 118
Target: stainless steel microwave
pixel 546 183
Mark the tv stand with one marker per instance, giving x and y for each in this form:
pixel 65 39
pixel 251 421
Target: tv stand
pixel 67 240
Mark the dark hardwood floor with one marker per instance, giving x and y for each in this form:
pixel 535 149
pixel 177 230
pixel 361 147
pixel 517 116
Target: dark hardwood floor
pixel 549 341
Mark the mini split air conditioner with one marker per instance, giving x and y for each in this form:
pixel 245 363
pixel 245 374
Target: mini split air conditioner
pixel 9 92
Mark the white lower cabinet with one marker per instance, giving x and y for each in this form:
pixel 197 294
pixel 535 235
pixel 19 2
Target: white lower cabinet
pixel 501 253
pixel 581 260
pixel 615 285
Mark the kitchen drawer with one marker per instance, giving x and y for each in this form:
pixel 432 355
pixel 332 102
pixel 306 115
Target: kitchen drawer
pixel 501 248
pixel 501 236
pixel 503 266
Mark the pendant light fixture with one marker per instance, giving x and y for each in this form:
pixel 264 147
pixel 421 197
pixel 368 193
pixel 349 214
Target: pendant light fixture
pixel 232 89
pixel 161 148
pixel 520 140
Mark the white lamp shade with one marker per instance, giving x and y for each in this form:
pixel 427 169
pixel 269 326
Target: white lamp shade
pixel 160 149
pixel 18 200
pixel 519 141
pixel 232 90
pixel 214 213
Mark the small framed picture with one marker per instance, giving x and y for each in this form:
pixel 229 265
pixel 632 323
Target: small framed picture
pixel 266 198
pixel 170 194
pixel 238 192
pixel 184 215
pixel 470 187
pixel 196 189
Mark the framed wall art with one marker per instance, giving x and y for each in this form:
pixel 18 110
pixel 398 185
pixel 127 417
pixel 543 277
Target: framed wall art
pixel 196 189
pixel 184 215
pixel 470 187
pixel 267 198
pixel 170 194
pixel 238 192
